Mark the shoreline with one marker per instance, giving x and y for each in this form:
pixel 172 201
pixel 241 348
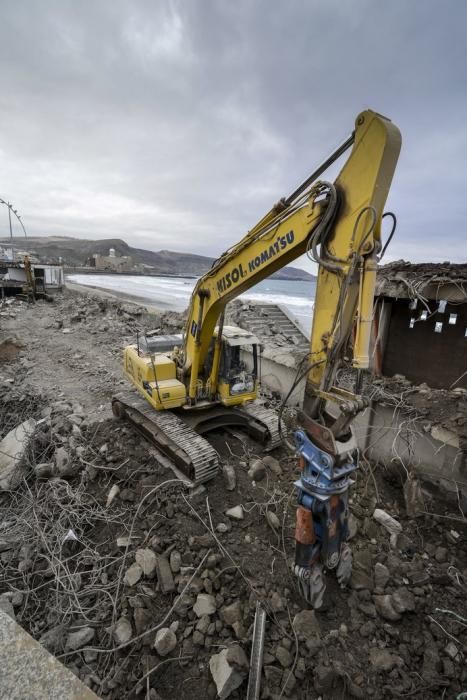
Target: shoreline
pixel 104 293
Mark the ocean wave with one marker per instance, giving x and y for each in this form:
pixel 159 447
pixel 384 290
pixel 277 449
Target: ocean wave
pixel 174 293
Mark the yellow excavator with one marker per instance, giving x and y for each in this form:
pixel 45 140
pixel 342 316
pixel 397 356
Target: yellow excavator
pixel 191 384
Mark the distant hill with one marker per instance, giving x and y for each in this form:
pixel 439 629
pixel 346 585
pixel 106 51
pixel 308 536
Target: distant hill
pixel 76 251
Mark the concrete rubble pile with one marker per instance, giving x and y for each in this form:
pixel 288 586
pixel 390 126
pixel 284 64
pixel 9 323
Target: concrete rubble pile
pixel 101 549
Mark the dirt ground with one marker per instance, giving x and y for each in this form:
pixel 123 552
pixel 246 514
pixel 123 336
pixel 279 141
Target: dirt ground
pixel 93 496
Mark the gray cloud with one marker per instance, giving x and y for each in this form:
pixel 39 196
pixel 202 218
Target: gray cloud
pixel 177 124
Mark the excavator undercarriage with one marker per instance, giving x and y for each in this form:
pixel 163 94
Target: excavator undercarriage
pixel 180 436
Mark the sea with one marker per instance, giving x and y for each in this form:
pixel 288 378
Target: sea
pixel 173 293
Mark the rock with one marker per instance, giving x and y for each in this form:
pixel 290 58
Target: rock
pixel 229 475
pixel 367 629
pixel 403 600
pixel 203 624
pixel 147 561
pixel 413 497
pixel 44 470
pixel 122 631
pixel 389 523
pixel 223 528
pixel 451 650
pixel 133 575
pixel 201 541
pixel 431 663
pixel 239 630
pixel 7 543
pixel 198 638
pixel 361 577
pixel 205 605
pixel 62 461
pixel 229 669
pixel 385 608
pixel 53 639
pixel 79 639
pixel 142 619
pixel 306 625
pixel 441 554
pixel 326 680
pixel 164 575
pixel 112 495
pixel 7 606
pixel 273 676
pixel 273 520
pixel 175 561
pixel 13 448
pixel 235 513
pixel 165 642
pixel 367 608
pixel 381 574
pixel 273 464
pixel 313 646
pixel 257 471
pixel 284 657
pixel 353 526
pixel 383 660
pixel 276 602
pixel 232 613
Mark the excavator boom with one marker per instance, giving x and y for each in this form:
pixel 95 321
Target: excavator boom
pixel 290 229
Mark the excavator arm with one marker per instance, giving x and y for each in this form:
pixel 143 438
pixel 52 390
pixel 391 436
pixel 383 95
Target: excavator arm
pixel 340 225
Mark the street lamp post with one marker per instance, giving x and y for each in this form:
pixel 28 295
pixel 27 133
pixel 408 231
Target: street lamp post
pixel 9 219
pixel 15 212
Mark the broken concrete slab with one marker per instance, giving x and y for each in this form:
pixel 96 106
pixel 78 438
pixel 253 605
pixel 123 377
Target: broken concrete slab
pixel 80 638
pixel 230 477
pixel 229 669
pixel 164 575
pixel 146 558
pixel 133 575
pixel 413 496
pixel 30 671
pixel 235 513
pixel 306 625
pixel 122 631
pixel 12 452
pixel 205 605
pixel 389 523
pixel 165 641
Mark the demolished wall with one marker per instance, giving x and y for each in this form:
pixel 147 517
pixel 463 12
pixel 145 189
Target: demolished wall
pixel 421 323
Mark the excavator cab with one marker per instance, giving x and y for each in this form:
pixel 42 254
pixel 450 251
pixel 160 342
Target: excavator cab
pixel 238 368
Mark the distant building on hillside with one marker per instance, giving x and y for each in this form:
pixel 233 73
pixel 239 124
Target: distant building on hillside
pixel 112 262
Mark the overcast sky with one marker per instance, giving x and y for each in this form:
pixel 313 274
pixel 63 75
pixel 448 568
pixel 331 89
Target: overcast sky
pixel 176 125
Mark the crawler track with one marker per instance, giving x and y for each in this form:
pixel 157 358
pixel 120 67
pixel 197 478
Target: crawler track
pixel 190 452
pixel 179 438
pixel 268 419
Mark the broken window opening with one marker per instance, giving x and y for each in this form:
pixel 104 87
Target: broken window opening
pixel 438 326
pixel 452 319
pixel 442 306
